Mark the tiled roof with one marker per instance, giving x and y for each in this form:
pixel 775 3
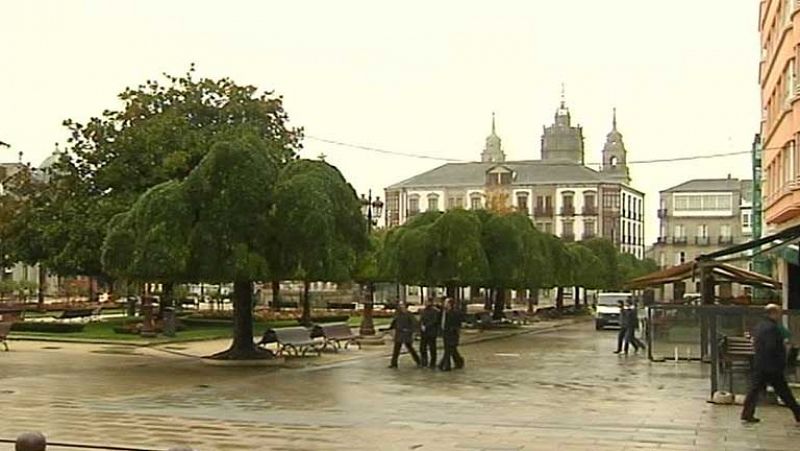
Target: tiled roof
pixel 527 172
pixel 703 185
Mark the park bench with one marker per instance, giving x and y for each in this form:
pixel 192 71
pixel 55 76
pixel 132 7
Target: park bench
pixel 341 305
pixel 5 328
pixel 735 356
pixel 291 340
pixel 337 336
pixel 81 313
pixel 517 317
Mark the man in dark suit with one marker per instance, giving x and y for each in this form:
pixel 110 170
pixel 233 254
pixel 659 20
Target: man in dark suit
pixel 429 320
pixel 404 325
pixel 769 364
pixel 623 328
pixel 451 331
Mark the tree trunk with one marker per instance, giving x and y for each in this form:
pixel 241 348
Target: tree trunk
pixel 42 286
pixel 276 295
pixel 488 301
pixel 305 319
pixel 559 298
pixel 91 289
pixel 499 303
pixel 533 300
pixel 167 298
pixel 577 296
pixel 243 347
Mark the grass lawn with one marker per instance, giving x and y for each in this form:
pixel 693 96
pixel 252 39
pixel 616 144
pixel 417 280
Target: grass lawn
pixel 104 330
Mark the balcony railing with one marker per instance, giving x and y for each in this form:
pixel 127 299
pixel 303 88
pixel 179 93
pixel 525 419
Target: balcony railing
pixel 662 240
pixel 568 210
pixel 702 240
pixel 589 210
pixel 588 236
pixel 568 237
pixel 662 213
pixel 725 240
pixel 679 240
pixel 543 211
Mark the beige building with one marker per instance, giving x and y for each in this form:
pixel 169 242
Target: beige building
pixel 558 192
pixel 698 217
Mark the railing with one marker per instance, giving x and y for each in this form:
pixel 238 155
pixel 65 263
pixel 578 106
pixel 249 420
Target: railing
pixel 543 211
pixel 725 240
pixel 589 210
pixel 568 210
pixel 662 240
pixel 662 213
pixel 568 237
pixel 588 236
pixel 702 240
pixel 679 240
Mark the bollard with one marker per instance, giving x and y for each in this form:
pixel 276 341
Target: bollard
pixel 31 441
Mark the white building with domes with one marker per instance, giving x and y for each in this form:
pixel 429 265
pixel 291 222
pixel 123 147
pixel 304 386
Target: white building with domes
pixel 559 193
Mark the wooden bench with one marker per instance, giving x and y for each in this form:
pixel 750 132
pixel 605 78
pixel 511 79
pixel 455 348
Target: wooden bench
pixel 735 356
pixel 78 314
pixel 337 336
pixel 291 340
pixel 341 305
pixel 5 328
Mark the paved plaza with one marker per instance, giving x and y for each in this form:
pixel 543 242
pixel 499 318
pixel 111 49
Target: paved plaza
pixel 547 390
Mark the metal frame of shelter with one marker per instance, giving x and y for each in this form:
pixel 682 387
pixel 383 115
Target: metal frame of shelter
pixel 712 268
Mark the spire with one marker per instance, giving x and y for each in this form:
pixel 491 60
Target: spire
pixel 493 132
pixel 563 101
pixel 614 120
pixel 493 151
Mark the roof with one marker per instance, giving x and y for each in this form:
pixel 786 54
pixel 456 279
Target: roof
pixel 705 185
pixel 691 270
pixel 528 172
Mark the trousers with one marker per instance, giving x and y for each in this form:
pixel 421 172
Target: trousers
pixel 409 348
pixel 759 382
pixel 427 346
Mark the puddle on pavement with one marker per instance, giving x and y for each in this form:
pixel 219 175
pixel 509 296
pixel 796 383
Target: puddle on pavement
pixel 116 351
pixel 51 347
pixel 176 348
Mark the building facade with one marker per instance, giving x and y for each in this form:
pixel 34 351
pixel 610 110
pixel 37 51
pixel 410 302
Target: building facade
pixel 698 217
pixel 780 130
pixel 559 193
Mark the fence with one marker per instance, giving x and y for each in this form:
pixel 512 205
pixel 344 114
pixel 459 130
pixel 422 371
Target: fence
pixel 679 332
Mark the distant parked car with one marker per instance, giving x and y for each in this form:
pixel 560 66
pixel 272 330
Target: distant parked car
pixel 607 309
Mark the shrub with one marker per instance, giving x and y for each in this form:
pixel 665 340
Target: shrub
pixel 55 328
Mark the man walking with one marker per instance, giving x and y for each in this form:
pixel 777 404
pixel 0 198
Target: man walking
pixel 404 325
pixel 633 326
pixel 429 327
pixel 451 330
pixel 623 327
pixel 769 364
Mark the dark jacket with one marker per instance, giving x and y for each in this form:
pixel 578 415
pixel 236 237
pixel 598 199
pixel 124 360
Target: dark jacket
pixel 404 325
pixel 430 321
pixel 452 324
pixel 630 318
pixel 770 354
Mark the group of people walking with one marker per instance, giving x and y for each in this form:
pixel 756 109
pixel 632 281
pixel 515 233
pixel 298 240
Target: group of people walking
pixel 628 324
pixel 434 321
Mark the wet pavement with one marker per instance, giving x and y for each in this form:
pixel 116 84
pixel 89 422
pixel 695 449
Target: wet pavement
pixel 561 389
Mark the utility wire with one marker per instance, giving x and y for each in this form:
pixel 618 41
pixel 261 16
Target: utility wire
pixel 455 160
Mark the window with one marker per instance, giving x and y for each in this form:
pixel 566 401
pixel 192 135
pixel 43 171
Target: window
pixel 703 202
pixel 746 219
pixel 433 202
pixel 413 205
pixel 589 228
pixel 455 202
pixel 680 258
pixel 568 229
pixel 702 231
pixel 567 199
pixel 725 230
pixel 522 203
pixel 548 227
pixel 475 202
pixel 589 201
pixel 680 231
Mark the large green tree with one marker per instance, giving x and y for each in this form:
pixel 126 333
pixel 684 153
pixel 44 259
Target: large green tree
pixel 161 133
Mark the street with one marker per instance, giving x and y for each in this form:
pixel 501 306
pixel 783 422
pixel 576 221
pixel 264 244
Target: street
pixel 562 389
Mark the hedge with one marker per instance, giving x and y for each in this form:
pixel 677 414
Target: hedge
pixel 57 328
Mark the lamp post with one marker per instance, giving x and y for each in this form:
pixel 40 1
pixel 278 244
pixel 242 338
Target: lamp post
pixel 371 209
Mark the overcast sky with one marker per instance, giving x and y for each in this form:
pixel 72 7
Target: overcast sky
pixel 419 77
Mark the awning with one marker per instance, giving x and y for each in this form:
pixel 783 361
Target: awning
pixel 721 272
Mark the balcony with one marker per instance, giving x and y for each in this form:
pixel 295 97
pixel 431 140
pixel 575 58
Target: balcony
pixel 702 240
pixel 412 213
pixel 662 240
pixel 725 240
pixel 543 212
pixel 588 236
pixel 662 213
pixel 589 210
pixel 568 210
pixel 568 237
pixel 679 240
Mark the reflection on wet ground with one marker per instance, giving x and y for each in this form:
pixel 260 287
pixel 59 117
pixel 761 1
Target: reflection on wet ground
pixel 557 390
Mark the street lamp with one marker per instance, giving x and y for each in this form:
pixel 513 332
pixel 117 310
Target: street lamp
pixel 371 209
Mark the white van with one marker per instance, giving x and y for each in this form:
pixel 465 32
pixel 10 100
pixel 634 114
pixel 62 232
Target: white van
pixel 607 309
